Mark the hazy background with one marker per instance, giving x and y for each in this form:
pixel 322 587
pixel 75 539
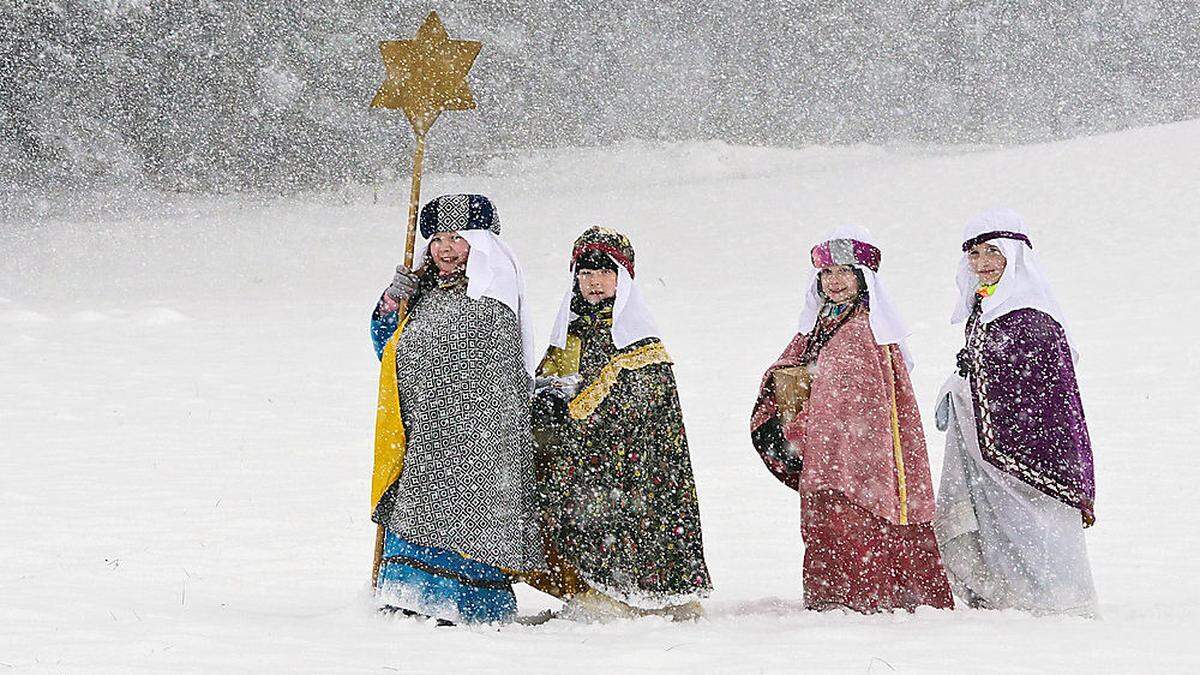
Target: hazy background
pixel 204 96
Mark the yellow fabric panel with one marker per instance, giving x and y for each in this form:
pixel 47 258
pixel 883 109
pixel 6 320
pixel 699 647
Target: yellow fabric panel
pixel 590 398
pixel 561 362
pixel 389 427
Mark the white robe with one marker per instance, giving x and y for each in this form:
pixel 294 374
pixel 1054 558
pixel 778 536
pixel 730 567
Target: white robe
pixel 1002 541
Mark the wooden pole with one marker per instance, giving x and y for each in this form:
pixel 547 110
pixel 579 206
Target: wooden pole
pixel 414 199
pixel 410 243
pixel 378 557
pixel 426 75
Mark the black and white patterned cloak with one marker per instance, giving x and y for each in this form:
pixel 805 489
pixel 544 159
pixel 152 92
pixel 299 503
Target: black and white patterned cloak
pixel 468 478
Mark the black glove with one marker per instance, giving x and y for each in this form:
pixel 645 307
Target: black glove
pixel 548 408
pixel 964 362
pixel 404 285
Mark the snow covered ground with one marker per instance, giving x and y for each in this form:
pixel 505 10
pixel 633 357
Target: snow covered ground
pixel 187 400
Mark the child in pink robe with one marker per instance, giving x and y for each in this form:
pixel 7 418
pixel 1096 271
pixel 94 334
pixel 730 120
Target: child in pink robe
pixel 853 447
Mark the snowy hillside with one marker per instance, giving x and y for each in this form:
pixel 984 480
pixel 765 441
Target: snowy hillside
pixel 188 401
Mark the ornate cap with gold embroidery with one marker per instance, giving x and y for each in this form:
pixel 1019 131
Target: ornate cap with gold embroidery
pixel 605 240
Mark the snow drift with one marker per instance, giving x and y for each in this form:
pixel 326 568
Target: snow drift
pixel 188 401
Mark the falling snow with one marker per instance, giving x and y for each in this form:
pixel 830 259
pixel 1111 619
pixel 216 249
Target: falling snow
pixel 196 206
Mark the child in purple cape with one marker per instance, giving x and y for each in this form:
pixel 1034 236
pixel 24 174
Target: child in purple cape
pixel 1017 486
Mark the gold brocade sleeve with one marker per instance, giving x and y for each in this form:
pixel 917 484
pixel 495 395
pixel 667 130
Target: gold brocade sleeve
pixel 561 362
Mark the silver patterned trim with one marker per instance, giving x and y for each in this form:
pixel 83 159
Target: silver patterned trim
pixel 453 213
pixel 842 252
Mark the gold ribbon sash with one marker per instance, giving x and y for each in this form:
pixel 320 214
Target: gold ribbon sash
pixel 897 447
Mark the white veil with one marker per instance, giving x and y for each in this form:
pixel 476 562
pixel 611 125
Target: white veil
pixel 1023 285
pixel 632 320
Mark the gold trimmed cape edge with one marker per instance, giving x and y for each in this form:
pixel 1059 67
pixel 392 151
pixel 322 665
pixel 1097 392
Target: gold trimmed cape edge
pixel 590 398
pixel 897 447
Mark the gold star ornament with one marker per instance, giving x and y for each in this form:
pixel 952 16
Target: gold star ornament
pixel 427 74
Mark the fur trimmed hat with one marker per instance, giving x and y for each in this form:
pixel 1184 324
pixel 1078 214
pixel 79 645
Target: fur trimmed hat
pixel 604 240
pixel 453 213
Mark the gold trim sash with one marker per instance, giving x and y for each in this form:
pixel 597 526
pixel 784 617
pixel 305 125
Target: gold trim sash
pixel 897 448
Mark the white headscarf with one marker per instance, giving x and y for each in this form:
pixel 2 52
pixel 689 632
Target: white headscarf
pixel 632 320
pixel 493 270
pixel 886 324
pixel 1023 285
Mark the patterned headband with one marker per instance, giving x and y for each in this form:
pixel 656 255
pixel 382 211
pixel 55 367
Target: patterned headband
pixel 995 234
pixel 612 251
pixel 846 252
pixel 607 241
pixel 454 213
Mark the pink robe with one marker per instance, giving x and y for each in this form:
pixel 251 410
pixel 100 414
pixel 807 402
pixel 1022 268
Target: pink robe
pixel 844 432
pixel 869 544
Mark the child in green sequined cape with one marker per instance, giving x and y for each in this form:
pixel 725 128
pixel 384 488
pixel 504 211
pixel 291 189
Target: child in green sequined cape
pixel 618 497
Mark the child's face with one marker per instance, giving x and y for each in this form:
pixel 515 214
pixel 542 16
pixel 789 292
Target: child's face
pixel 449 251
pixel 596 285
pixel 839 283
pixel 988 262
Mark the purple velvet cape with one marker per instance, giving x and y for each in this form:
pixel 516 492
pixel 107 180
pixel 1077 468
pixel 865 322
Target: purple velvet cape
pixel 1037 430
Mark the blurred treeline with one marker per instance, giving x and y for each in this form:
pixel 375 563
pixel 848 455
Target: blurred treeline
pixel 205 95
